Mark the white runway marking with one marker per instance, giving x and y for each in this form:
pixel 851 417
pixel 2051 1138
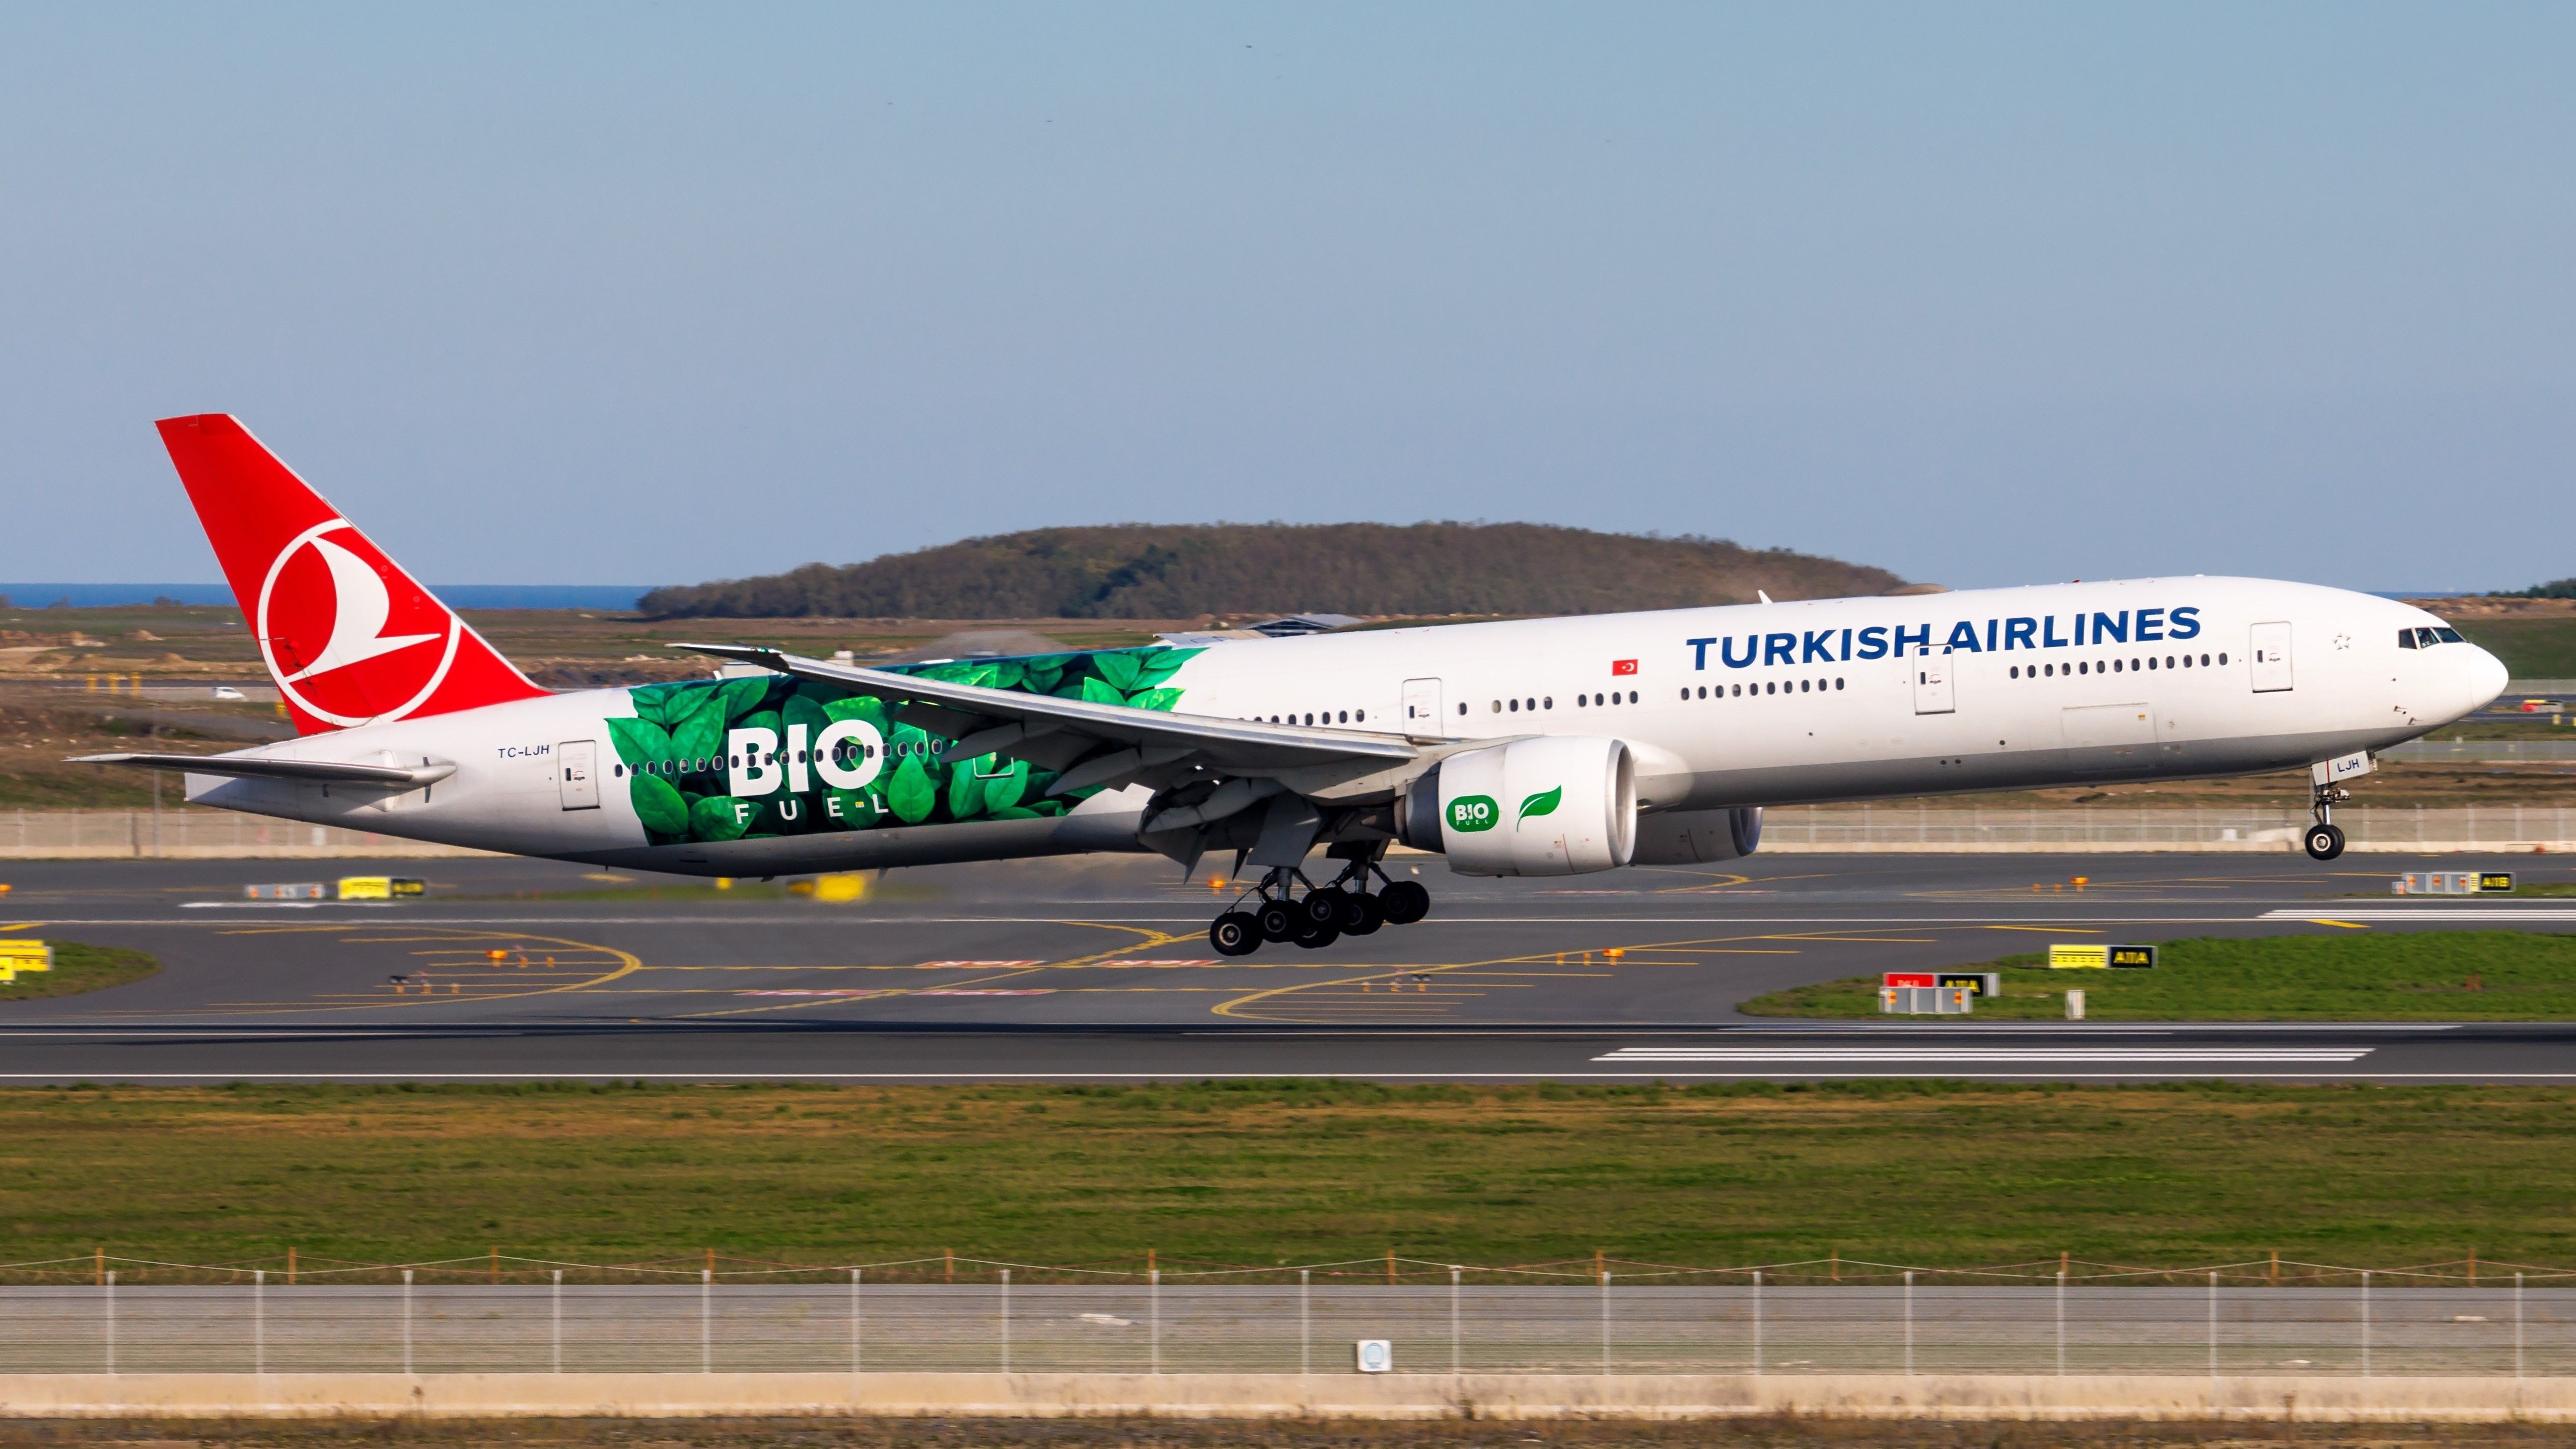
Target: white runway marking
pixel 2037 1054
pixel 2430 913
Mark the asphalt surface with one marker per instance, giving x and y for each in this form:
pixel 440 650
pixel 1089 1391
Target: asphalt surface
pixel 1099 968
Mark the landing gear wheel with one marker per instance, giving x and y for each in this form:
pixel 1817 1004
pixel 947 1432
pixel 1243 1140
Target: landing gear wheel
pixel 1404 903
pixel 1317 936
pixel 1324 907
pixel 2324 842
pixel 1361 915
pixel 1236 933
pixel 1279 921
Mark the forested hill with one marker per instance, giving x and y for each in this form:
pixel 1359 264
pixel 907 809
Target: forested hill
pixel 1145 571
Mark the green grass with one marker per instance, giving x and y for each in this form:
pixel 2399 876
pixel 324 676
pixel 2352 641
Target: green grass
pixel 2543 648
pixel 2346 976
pixel 79 968
pixel 1297 1172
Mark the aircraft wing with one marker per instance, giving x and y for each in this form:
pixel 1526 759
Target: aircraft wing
pixel 1098 743
pixel 255 767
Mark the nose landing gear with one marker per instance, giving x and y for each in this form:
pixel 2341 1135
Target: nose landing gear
pixel 2324 839
pixel 1322 915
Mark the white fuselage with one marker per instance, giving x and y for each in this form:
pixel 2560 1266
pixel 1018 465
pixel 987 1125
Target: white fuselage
pixel 1746 705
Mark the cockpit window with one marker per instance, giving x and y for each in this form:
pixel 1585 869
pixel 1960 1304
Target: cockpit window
pixel 2449 636
pixel 2405 638
pixel 2427 638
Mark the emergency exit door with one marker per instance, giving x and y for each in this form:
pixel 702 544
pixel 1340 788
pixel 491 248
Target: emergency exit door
pixel 1422 714
pixel 577 766
pixel 2270 658
pixel 1932 683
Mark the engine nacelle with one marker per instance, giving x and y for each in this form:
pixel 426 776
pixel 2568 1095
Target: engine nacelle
pixel 1698 837
pixel 1560 805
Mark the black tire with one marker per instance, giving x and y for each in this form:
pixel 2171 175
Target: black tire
pixel 1404 903
pixel 2324 842
pixel 1324 906
pixel 1361 915
pixel 1279 921
pixel 1236 933
pixel 1316 937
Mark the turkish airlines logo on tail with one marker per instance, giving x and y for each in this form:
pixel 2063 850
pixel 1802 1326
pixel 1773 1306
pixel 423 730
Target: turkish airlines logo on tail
pixel 347 637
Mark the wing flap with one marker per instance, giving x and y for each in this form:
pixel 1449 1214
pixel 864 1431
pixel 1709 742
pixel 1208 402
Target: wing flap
pixel 1237 747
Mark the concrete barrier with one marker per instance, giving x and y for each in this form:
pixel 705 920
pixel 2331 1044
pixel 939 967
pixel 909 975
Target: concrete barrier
pixel 1336 1395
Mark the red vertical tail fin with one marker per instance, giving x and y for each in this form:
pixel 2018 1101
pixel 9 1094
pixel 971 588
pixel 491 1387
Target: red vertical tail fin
pixel 349 637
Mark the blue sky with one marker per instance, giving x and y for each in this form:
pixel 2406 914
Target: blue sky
pixel 1982 294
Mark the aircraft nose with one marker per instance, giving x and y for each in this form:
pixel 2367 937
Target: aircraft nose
pixel 2487 678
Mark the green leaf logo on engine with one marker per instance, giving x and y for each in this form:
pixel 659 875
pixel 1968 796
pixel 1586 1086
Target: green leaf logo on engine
pixel 1543 803
pixel 1471 813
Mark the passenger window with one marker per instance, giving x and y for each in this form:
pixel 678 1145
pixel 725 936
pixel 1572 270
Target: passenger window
pixel 2221 659
pixel 1516 706
pixel 1462 706
pixel 1802 686
pixel 1838 683
pixel 1363 716
pixel 1632 696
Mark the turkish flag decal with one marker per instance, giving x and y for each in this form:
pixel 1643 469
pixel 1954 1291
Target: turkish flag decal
pixel 1623 666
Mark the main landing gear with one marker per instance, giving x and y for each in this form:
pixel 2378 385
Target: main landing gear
pixel 1322 915
pixel 2324 839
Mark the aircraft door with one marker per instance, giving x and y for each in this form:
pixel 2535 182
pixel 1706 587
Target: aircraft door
pixel 2270 658
pixel 577 767
pixel 1932 692
pixel 1422 714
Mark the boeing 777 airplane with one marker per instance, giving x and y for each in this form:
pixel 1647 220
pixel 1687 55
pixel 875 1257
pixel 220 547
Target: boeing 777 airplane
pixel 1540 747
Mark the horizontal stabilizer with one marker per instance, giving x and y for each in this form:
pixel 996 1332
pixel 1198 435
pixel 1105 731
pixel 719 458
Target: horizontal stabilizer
pixel 252 767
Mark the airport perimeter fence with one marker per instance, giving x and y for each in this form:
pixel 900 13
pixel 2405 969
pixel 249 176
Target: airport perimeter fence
pixel 225 834
pixel 959 1315
pixel 2482 751
pixel 180 834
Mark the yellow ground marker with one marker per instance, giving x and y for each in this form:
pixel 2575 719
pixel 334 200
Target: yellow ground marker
pixel 2347 925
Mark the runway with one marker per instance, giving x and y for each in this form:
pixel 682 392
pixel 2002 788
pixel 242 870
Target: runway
pixel 1098 969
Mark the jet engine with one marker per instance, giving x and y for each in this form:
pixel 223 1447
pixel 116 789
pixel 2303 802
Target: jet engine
pixel 1557 805
pixel 1697 837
